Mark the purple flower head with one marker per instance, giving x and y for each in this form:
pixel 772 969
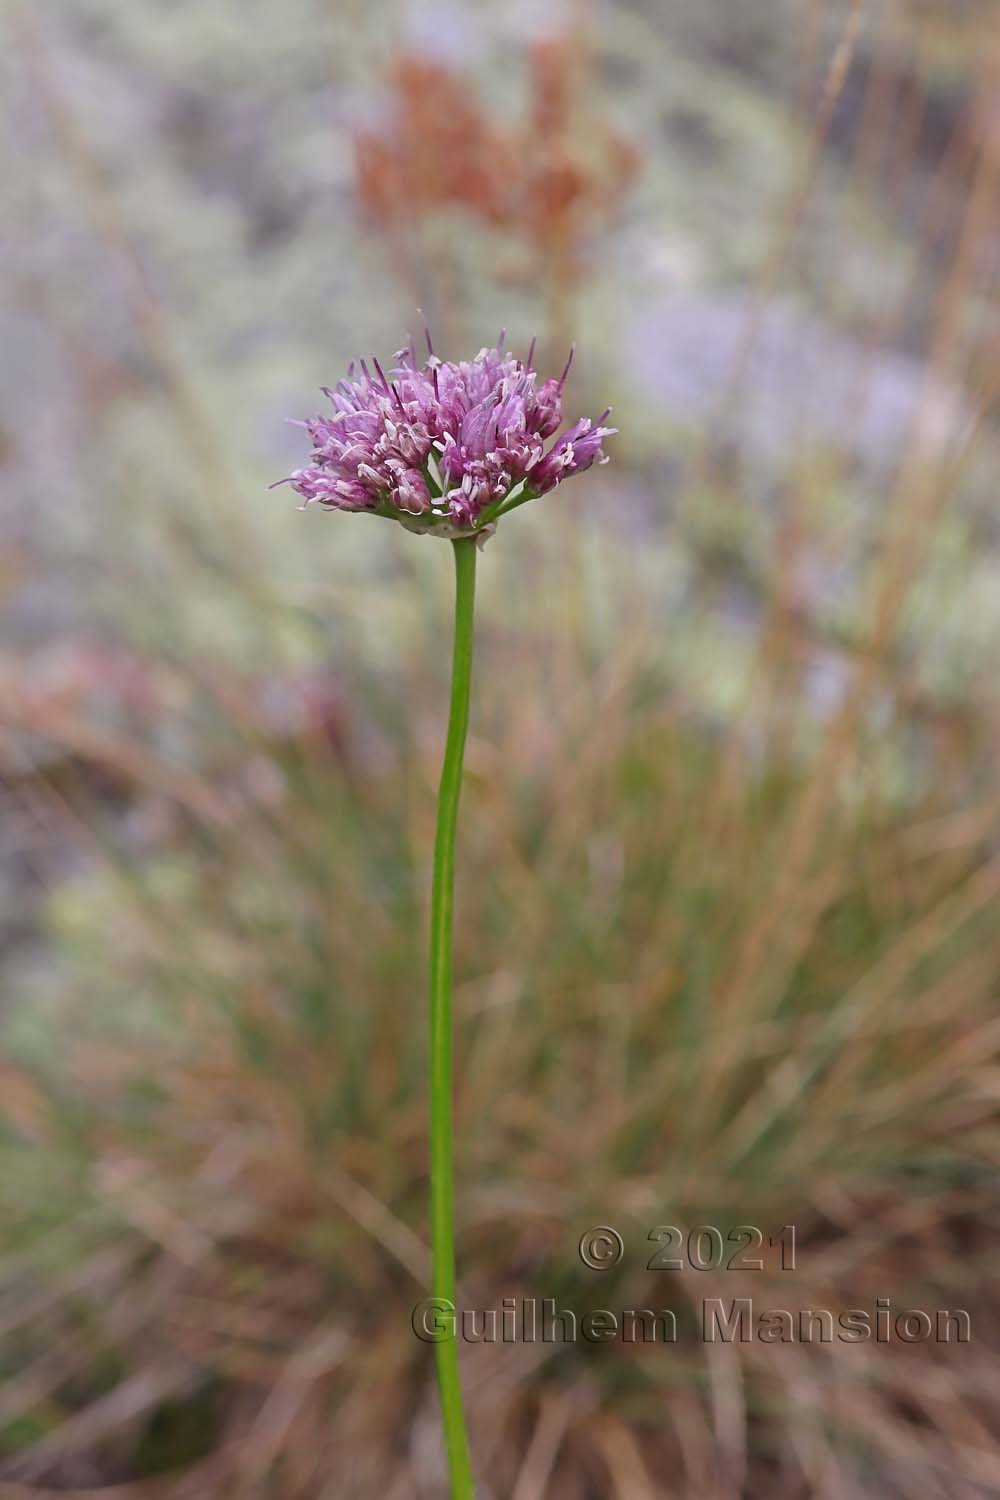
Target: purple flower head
pixel 445 448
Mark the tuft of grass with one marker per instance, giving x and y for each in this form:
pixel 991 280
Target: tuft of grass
pixel 704 978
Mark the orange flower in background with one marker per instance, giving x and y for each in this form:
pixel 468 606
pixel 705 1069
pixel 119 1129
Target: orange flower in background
pixel 577 167
pixel 438 148
pixel 552 179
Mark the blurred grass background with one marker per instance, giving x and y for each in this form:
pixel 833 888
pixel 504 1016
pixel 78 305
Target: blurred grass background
pixel 727 944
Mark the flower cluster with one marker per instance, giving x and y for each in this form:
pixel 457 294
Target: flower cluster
pixel 445 448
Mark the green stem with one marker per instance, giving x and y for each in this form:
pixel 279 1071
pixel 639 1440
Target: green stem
pixel 442 900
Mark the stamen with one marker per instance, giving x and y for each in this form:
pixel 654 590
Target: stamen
pixel 569 362
pixel 531 352
pixel 381 376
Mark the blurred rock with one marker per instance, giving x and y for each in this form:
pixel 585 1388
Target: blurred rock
pixel 801 384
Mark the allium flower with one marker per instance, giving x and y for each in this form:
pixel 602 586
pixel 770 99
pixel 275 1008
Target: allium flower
pixel 444 448
pixel 447 449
